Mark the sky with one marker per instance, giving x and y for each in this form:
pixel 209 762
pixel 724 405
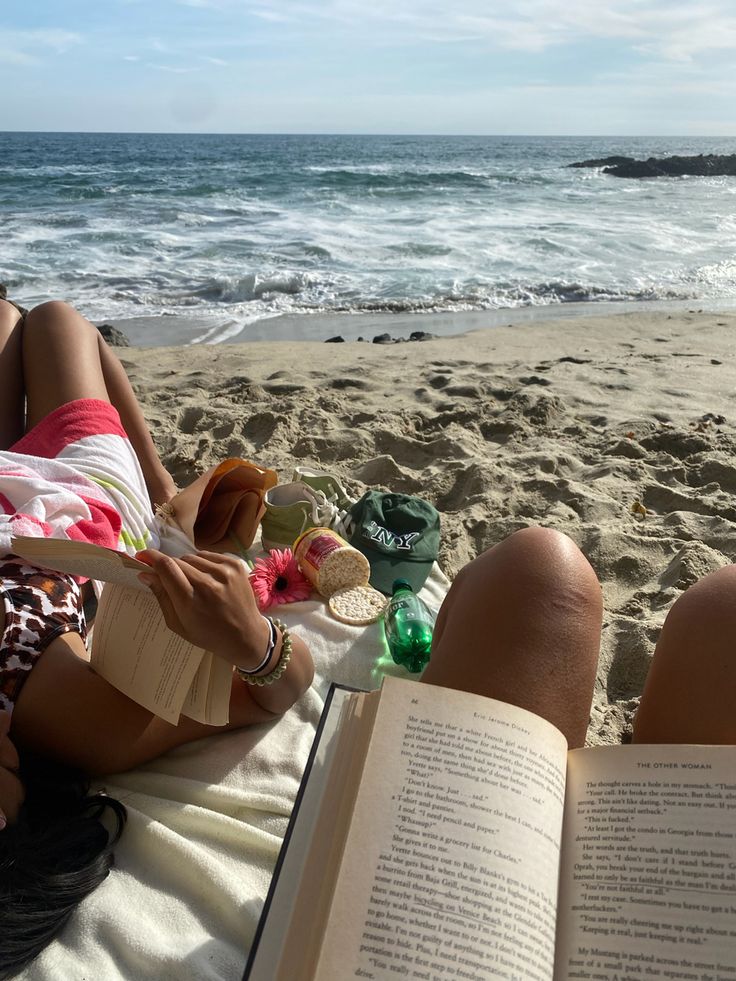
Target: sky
pixel 598 67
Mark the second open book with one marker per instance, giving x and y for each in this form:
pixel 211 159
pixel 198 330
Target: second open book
pixel 441 835
pixel 131 645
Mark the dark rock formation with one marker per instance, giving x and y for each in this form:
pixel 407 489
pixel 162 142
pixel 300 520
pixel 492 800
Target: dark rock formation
pixel 416 335
pixel 710 165
pixel 337 339
pixel 603 162
pixel 113 336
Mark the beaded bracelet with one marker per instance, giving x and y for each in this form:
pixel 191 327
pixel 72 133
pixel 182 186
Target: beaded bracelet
pixel 281 664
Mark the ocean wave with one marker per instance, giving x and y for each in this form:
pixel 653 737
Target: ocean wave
pixel 401 180
pixel 238 317
pixel 252 227
pixel 719 278
pixel 508 296
pixel 297 294
pixel 243 289
pixel 387 175
pixel 249 298
pixel 69 220
pixel 419 250
pixel 81 192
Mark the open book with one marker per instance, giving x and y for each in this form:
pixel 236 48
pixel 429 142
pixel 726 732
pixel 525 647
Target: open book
pixel 131 646
pixel 441 835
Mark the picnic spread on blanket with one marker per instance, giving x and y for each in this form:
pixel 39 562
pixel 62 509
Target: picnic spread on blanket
pixel 206 821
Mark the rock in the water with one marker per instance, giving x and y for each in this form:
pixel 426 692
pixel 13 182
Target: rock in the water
pixel 702 165
pixel 113 336
pixel 603 162
pixel 383 339
pixel 421 335
pixel 337 339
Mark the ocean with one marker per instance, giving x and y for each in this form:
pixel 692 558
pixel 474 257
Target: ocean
pixel 203 238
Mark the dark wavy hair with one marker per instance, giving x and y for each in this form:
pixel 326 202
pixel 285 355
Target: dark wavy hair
pixel 51 858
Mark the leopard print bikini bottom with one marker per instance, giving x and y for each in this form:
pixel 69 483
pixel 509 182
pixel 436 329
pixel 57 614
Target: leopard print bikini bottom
pixel 39 606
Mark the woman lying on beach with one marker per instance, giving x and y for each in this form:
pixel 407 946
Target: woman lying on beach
pixel 521 623
pixel 67 463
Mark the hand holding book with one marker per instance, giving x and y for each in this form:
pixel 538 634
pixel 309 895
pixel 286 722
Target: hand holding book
pixel 171 648
pixel 207 598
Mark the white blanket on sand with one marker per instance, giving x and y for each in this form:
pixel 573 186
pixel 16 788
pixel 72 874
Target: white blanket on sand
pixel 205 824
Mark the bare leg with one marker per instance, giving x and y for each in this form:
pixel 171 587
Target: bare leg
pixel 12 410
pixel 65 358
pixel 522 623
pixel 689 695
pixel 160 483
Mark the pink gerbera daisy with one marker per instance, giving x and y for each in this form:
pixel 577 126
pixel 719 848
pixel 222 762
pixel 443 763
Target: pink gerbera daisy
pixel 277 579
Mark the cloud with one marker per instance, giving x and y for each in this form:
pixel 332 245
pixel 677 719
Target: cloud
pixel 693 38
pixel 274 16
pixel 214 61
pixel 674 31
pixel 10 56
pixel 28 47
pixel 55 38
pixel 172 69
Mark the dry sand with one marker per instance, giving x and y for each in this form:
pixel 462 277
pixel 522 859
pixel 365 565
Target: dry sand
pixel 618 430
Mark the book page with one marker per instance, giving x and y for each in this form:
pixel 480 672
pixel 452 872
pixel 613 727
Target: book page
pixel 80 559
pixel 648 880
pixel 208 698
pixel 450 868
pixel 135 651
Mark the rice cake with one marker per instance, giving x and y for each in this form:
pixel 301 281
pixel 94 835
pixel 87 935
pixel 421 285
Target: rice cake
pixel 357 605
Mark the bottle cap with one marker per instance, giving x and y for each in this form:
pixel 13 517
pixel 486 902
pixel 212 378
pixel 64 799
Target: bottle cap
pixel 401 584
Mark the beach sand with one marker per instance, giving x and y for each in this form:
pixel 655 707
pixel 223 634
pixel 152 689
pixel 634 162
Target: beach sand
pixel 618 430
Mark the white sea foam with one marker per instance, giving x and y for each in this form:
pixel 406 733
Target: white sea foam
pixel 242 229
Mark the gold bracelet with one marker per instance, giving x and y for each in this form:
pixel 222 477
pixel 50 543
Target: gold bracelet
pixel 281 664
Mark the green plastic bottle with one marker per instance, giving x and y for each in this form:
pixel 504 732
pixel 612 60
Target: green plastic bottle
pixel 408 623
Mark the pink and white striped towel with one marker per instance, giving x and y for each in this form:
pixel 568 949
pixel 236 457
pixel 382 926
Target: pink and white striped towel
pixel 75 475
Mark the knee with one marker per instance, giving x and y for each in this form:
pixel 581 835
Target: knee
pixel 541 563
pixel 52 311
pixel 710 602
pixel 538 540
pixel 54 319
pixel 688 691
pixel 9 315
pixel 545 553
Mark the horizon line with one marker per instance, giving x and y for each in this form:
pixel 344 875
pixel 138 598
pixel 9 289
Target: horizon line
pixel 93 132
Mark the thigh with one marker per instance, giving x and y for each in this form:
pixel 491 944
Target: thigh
pixel 67 712
pixel 12 404
pixel 522 623
pixel 61 360
pixel 690 691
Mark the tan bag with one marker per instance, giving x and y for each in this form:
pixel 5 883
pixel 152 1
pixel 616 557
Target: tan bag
pixel 221 510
